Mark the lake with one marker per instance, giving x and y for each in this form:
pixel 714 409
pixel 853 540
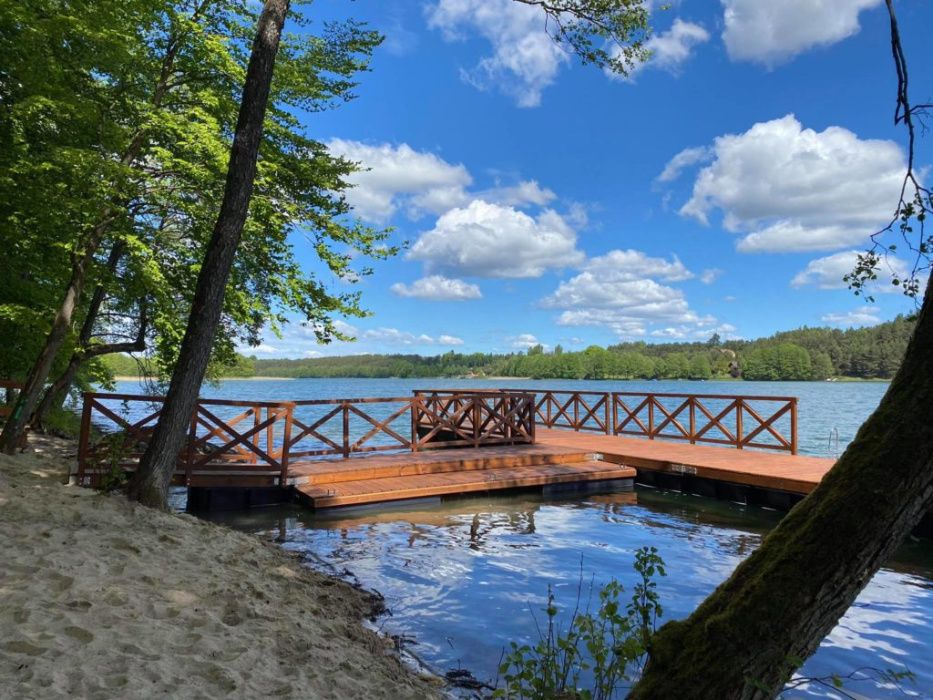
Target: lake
pixel 465 577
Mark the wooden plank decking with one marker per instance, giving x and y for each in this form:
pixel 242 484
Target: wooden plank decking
pixel 394 477
pixel 769 470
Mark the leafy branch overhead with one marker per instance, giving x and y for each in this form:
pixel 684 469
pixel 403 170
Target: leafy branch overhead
pixel 610 34
pixel 914 204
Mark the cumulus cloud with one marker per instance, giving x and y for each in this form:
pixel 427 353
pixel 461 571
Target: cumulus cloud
pixel 490 240
pixel 669 50
pixel 774 32
pixel 787 188
pixel 865 316
pixel 827 273
pixel 263 349
pixel 524 341
pixel 524 59
pixel 710 275
pixel 621 291
pixel 437 288
pixel 394 336
pixel 400 175
pixel 683 160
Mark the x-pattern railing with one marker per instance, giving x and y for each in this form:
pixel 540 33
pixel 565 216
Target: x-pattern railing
pixel 737 421
pixel 451 418
pixel 261 438
pixel 248 442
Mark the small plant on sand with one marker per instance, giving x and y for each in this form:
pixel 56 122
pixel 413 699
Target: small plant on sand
pixel 113 449
pixel 602 650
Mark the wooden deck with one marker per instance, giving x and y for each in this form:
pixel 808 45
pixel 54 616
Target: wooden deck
pixel 383 478
pixel 795 474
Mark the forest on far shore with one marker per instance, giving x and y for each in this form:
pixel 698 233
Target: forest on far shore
pixel 802 354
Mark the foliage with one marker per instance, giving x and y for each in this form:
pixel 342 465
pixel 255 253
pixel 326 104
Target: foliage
pixel 116 116
pixel 604 648
pixel 610 34
pixel 806 353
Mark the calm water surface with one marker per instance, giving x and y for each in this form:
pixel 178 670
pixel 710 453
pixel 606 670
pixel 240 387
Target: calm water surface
pixel 465 577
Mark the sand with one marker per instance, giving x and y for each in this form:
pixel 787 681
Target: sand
pixel 100 598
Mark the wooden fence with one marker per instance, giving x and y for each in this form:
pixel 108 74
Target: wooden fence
pixel 257 438
pixel 736 421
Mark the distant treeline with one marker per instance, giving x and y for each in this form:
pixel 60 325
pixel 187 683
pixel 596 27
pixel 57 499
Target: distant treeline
pixel 803 354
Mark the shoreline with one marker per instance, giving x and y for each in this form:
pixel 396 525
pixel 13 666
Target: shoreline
pixel 106 598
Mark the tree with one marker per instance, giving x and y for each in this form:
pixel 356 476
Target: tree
pixel 751 633
pixel 62 79
pixel 151 480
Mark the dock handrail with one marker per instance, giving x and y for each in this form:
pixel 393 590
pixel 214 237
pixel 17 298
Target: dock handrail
pixel 281 431
pixel 737 421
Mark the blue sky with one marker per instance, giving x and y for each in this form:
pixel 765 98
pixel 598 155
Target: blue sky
pixel 722 188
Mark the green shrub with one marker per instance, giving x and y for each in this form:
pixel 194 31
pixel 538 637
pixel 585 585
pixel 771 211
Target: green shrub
pixel 607 649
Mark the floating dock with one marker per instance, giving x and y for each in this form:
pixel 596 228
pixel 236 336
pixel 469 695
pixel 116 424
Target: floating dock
pixel 440 443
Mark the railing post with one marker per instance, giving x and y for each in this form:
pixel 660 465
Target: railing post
pixel 607 397
pixel 476 419
pixel 793 426
pixel 189 448
pixel 286 437
pixel 576 411
pixel 415 409
pixel 738 423
pixel 693 419
pixel 346 430
pixel 85 436
pixel 615 414
pixel 651 416
pixel 532 418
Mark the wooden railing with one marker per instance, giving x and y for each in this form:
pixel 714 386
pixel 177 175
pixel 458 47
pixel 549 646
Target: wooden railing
pixel 240 437
pixel 262 438
pixel 737 421
pixel 458 418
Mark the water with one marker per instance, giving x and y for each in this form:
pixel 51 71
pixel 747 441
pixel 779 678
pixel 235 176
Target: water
pixel 467 576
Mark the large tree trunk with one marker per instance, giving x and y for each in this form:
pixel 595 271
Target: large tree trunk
pixel 151 481
pixel 746 638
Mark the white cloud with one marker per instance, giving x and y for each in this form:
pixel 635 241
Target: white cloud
pixel 621 291
pixel 683 160
pixel 774 32
pixel 489 240
pixel 437 288
pixel 787 188
pixel 866 316
pixel 710 275
pixel 524 341
pixel 394 336
pixel 400 176
pixel 669 50
pixel 524 193
pixel 263 349
pixel 827 273
pixel 524 59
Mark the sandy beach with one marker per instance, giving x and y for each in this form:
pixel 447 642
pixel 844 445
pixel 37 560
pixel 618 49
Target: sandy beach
pixel 103 599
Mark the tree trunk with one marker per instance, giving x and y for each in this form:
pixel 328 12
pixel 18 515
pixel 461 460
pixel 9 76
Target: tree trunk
pixel 55 395
pixel 749 635
pixel 14 428
pixel 151 481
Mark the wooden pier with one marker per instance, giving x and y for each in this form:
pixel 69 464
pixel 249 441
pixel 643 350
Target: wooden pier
pixel 341 452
